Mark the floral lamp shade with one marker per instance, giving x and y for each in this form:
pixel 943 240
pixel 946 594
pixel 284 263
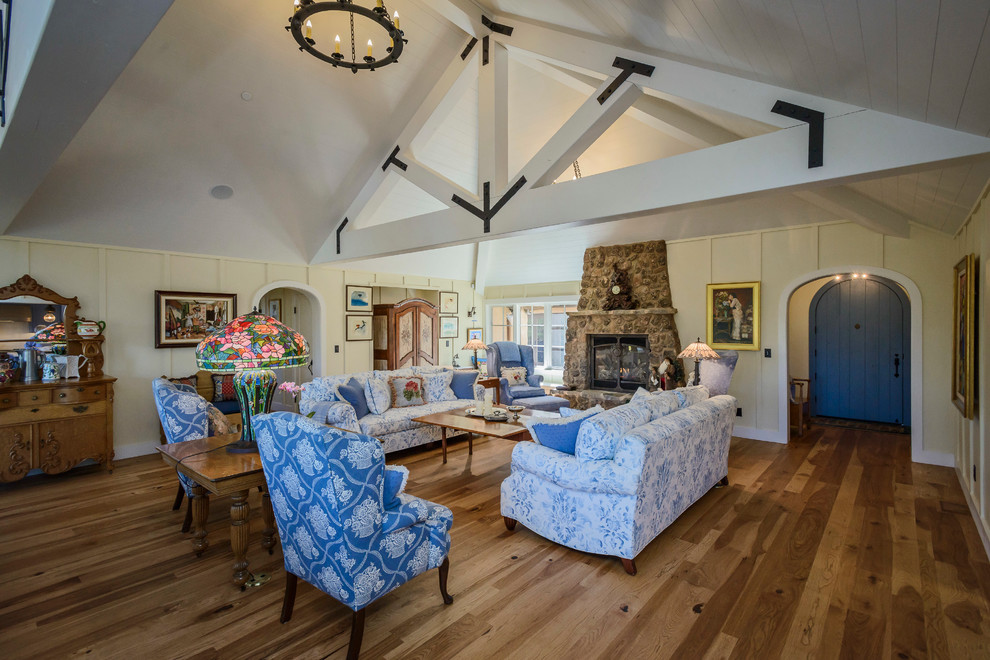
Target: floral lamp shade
pixel 698 351
pixel 251 346
pixel 53 334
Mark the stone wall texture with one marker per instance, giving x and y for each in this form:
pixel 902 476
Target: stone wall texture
pixel 646 265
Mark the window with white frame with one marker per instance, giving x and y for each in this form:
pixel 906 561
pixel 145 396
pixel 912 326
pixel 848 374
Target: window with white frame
pixel 542 325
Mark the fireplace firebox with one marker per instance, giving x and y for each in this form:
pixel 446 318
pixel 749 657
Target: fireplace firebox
pixel 618 362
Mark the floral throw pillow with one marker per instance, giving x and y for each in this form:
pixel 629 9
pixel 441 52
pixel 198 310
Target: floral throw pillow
pixel 437 386
pixel 377 394
pixel 515 375
pixel 406 391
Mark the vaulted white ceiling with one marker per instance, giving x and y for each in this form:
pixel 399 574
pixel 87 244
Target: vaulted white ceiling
pixel 300 151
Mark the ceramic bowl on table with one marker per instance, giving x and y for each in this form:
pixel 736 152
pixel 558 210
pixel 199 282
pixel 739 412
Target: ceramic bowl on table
pixel 515 410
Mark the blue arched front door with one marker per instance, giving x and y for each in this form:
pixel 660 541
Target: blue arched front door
pixel 859 359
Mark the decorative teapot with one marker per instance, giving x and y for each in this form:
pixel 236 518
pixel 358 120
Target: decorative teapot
pixel 90 328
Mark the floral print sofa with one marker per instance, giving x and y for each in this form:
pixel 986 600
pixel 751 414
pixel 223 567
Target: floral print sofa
pixel 394 426
pixel 635 469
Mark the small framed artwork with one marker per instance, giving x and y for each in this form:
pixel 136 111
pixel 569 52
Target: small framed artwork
pixel 358 298
pixel 448 302
pixel 964 336
pixel 734 316
pixel 448 327
pixel 358 328
pixel 184 318
pixel 275 308
pixel 476 333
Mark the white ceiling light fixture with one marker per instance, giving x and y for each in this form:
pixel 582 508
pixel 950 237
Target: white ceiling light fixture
pixel 221 192
pixel 370 20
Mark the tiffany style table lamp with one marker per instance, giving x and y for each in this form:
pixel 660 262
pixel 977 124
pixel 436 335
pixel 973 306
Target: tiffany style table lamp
pixel 698 351
pixel 251 346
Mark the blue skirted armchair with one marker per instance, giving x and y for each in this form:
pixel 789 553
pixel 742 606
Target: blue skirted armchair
pixel 185 415
pixel 342 526
pixel 510 354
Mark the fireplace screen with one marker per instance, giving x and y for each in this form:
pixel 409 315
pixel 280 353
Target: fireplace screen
pixel 619 362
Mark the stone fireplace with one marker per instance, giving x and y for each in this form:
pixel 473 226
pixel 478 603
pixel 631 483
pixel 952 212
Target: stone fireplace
pixel 611 352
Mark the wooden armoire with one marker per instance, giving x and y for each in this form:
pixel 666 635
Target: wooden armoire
pixel 405 334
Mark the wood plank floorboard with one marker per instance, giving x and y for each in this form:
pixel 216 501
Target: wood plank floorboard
pixel 834 545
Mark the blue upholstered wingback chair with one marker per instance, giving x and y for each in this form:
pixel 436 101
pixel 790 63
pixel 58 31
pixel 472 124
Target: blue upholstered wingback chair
pixel 326 486
pixel 185 415
pixel 510 354
pixel 717 374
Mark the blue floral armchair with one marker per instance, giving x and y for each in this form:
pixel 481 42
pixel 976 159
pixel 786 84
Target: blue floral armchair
pixel 510 354
pixel 185 415
pixel 326 486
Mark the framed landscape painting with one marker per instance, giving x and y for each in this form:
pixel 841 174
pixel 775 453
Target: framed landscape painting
pixel 964 335
pixel 183 318
pixel 448 302
pixel 734 316
pixel 358 328
pixel 358 298
pixel 448 327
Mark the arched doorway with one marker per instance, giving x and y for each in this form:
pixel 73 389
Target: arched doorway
pixel 302 308
pixel 859 348
pixel 918 453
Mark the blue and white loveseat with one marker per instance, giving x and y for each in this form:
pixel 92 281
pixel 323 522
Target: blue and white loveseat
pixel 444 389
pixel 634 469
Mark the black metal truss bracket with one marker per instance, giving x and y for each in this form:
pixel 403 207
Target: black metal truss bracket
pixel 467 49
pixel 4 58
pixel 816 128
pixel 484 50
pixel 496 27
pixel 392 159
pixel 489 211
pixel 628 67
pixel 340 228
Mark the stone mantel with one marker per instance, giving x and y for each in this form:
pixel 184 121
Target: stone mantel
pixel 650 311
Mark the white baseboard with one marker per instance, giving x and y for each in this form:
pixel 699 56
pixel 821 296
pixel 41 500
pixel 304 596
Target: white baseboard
pixel 981 527
pixel 934 458
pixel 130 451
pixel 766 435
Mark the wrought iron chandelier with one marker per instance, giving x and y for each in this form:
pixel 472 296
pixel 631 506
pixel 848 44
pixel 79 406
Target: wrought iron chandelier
pixel 301 27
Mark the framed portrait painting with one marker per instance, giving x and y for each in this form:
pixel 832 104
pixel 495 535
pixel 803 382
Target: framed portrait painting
pixel 358 328
pixel 275 308
pixel 184 318
pixel 448 302
pixel 964 336
pixel 358 298
pixel 734 316
pixel 448 327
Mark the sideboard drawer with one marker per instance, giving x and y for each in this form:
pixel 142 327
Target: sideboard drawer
pixel 78 393
pixel 34 397
pixel 7 399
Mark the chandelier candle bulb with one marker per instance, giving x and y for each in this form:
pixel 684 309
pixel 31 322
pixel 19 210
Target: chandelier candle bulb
pixel 379 3
pixel 395 19
pixel 295 6
pixel 369 47
pixel 336 44
pixel 309 29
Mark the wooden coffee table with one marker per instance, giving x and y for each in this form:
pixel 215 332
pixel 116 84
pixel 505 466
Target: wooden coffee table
pixel 459 420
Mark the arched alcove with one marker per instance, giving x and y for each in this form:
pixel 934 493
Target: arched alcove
pixel 318 338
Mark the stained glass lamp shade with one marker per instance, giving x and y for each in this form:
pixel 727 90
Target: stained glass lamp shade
pixel 698 351
pixel 251 346
pixel 53 334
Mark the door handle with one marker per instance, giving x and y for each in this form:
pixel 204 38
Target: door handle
pixel 897 365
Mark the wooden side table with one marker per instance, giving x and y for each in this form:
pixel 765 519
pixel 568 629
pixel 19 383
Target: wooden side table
pixel 492 383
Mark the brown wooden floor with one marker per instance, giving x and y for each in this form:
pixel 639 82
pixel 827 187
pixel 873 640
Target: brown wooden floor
pixel 833 546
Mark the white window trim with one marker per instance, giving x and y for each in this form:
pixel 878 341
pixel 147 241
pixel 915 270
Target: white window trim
pixel 516 303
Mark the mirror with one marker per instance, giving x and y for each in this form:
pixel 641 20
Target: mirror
pixel 22 316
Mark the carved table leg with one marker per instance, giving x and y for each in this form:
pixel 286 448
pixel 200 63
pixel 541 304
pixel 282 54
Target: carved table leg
pixel 239 509
pixel 268 533
pixel 200 510
pixel 443 442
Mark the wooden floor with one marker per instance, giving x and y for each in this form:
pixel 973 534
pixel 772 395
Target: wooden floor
pixel 833 546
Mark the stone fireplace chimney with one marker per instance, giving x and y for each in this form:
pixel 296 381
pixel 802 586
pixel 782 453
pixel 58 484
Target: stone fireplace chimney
pixel 614 275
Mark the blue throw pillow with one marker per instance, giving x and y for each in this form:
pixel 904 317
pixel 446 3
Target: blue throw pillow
pixel 353 393
pixel 559 434
pixel 462 383
pixel 395 483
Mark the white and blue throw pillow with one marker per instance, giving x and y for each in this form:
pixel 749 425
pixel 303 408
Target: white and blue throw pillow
pixel 436 386
pixel 377 394
pixel 558 433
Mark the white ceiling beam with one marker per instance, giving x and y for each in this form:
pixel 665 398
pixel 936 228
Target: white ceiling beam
pixel 586 125
pixel 444 95
pixel 493 118
pixel 847 203
pixel 740 96
pixel 430 181
pixel 375 202
pixel 463 14
pixel 482 257
pixel 860 145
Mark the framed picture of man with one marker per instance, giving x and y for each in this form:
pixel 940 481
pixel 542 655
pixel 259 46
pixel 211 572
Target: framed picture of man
pixel 964 336
pixel 734 316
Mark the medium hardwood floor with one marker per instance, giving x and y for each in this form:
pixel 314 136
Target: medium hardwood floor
pixel 835 545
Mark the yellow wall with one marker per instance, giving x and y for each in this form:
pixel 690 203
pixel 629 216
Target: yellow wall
pixel 117 285
pixel 972 446
pixel 797 327
pixel 778 258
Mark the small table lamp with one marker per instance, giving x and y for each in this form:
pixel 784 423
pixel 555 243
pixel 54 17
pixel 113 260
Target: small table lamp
pixel 475 345
pixel 251 346
pixel 698 351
